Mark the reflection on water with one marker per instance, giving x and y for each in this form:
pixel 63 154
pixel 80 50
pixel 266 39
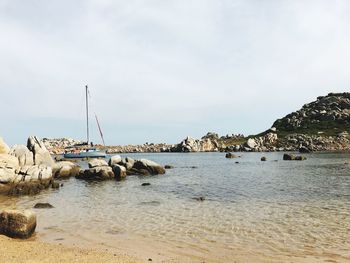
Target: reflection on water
pixel 269 209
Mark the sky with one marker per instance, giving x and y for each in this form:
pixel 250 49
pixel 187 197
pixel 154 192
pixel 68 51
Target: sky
pixel 161 70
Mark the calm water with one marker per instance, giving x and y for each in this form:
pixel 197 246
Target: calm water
pixel 274 210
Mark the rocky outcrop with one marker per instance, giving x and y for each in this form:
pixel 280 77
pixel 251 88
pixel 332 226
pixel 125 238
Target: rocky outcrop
pixel 193 145
pixel 20 173
pixel 17 224
pixel 331 112
pixel 100 170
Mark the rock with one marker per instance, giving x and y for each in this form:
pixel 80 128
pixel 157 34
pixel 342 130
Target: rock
pixel 201 198
pixel 36 173
pixel 119 172
pixel 8 161
pixel 304 149
pixel 114 160
pixel 55 185
pixel 43 205
pixel 230 155
pixel 207 144
pixel 251 143
pixel 25 157
pixel 97 163
pixel 4 149
pixel 97 173
pixel 145 184
pixel 263 159
pixel 168 167
pixel 291 157
pixel 40 153
pixel 128 163
pixel 146 167
pixel 65 169
pixel 17 224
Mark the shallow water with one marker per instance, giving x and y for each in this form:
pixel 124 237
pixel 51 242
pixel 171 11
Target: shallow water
pixel 273 211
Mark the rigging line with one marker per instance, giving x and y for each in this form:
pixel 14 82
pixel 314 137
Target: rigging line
pixel 99 128
pixel 98 123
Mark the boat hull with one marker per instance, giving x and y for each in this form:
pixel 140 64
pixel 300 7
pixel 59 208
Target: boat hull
pixel 95 154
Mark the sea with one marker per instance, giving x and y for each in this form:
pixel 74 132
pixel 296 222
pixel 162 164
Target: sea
pixel 207 209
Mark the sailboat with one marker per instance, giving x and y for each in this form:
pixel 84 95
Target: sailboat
pixel 87 152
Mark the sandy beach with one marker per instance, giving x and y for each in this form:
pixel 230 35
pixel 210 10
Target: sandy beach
pixel 30 251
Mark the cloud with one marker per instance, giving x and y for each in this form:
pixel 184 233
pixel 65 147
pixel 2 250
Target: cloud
pixel 183 67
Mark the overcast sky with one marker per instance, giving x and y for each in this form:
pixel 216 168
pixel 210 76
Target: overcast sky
pixel 159 70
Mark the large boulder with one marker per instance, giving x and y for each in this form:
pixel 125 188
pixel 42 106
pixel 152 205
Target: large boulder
pixel 116 159
pixel 40 153
pixel 97 163
pixel 65 169
pixel 146 167
pixel 25 157
pixel 18 224
pixel 97 173
pixel 3 147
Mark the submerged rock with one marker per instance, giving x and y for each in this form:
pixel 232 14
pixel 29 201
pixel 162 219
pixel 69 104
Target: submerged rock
pixel 230 155
pixel 43 205
pixel 291 157
pixel 17 224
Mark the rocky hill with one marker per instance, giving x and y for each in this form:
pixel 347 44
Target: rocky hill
pixel 328 115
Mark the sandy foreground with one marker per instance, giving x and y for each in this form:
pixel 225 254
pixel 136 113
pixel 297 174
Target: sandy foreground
pixel 13 250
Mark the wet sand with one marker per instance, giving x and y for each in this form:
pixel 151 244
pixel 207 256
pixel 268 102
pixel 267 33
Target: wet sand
pixel 30 251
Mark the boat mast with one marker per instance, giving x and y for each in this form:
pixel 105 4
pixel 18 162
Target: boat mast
pixel 87 114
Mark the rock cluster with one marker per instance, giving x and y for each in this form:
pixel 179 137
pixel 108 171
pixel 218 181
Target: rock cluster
pixel 147 147
pixel 25 169
pixel 118 168
pixel 194 145
pixel 57 146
